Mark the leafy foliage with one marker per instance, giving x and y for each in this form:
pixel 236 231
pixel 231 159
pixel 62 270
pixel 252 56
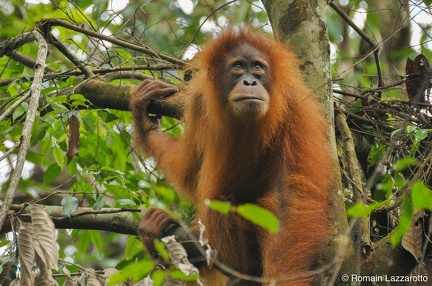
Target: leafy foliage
pixel 81 152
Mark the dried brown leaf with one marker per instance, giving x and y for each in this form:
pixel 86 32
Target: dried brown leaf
pixel 41 261
pixel 45 278
pixel 413 239
pixel 28 279
pixel 203 240
pixel 15 282
pixel 108 272
pixel 145 282
pixel 179 257
pixel 6 266
pixel 27 253
pixel 169 281
pixel 88 278
pixel 68 281
pixel 176 250
pixel 44 237
pixel 74 136
pixel 417 71
pixel 93 281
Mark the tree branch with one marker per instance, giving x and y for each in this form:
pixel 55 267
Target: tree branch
pixel 45 25
pixel 114 220
pixel 11 45
pixel 25 60
pixel 35 90
pixel 103 71
pixel 116 96
pixel 355 174
pixel 70 56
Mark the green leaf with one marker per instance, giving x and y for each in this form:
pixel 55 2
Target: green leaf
pixel 375 155
pixel 399 181
pixel 59 155
pixel 179 275
pixel 57 106
pixel 61 99
pixel 96 240
pixel 161 249
pixel 135 270
pixel 394 132
pixel 132 248
pixel 48 90
pixel 411 128
pixel 5 128
pixel 100 203
pixel 69 205
pixel 158 277
pixel 83 241
pixel 172 126
pixel 78 100
pixel 126 202
pixel 359 210
pixel 46 143
pixel 20 111
pixel 427 2
pixel 220 206
pixel 4 243
pixel 404 223
pixel 362 210
pixel 421 196
pixel 167 193
pixel 37 132
pixel 107 116
pixel 89 125
pixel 259 216
pixel 403 163
pixel 421 134
pixel 51 173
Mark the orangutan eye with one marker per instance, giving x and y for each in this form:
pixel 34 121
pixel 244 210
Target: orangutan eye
pixel 258 66
pixel 238 65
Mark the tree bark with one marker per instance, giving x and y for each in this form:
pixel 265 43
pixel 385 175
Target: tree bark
pixel 116 96
pixel 114 220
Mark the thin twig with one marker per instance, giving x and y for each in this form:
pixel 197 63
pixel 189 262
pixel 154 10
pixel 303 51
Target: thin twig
pixel 51 76
pixel 79 64
pixel 14 106
pixel 25 60
pixel 375 47
pixel 10 150
pixel 57 22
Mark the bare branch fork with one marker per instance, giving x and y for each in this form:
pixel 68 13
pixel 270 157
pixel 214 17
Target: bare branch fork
pixel 375 46
pixel 46 25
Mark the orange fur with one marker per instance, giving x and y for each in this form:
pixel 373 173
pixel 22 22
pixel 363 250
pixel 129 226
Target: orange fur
pixel 280 162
